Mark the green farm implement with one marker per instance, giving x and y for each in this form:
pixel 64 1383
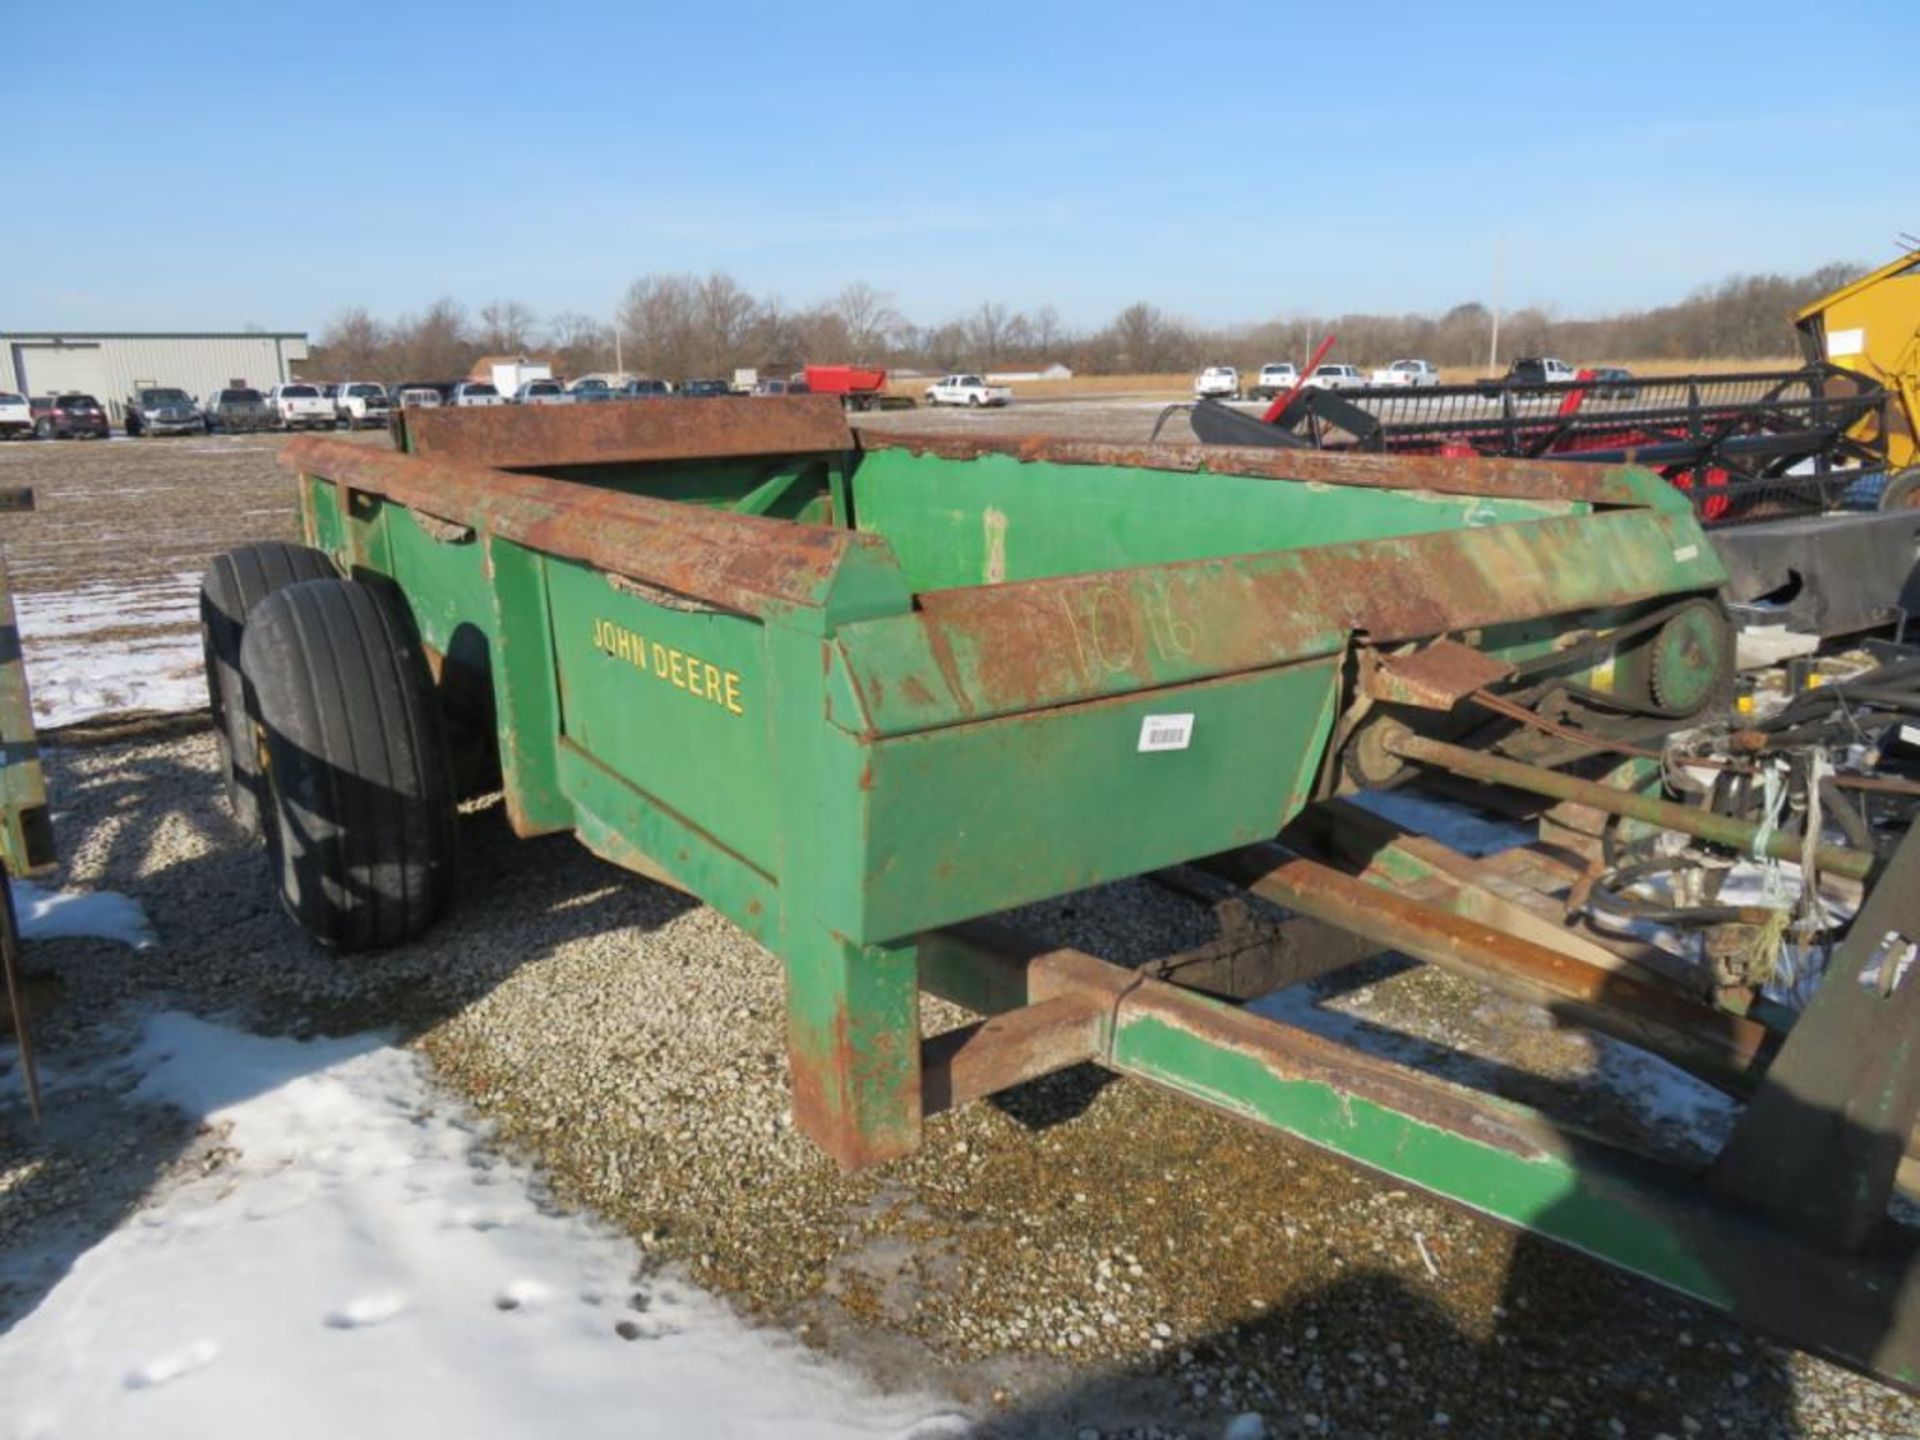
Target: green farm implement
pixel 862 695
pixel 26 828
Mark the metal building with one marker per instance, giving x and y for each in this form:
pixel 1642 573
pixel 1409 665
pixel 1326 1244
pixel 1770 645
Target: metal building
pixel 109 365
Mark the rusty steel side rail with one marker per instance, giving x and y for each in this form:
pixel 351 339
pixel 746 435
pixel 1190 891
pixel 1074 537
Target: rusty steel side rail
pixel 542 437
pixel 1445 475
pixel 1701 824
pixel 1726 1050
pixel 741 563
pixel 982 651
pixel 1650 1215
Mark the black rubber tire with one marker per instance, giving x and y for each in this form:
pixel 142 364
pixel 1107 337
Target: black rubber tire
pixel 234 584
pixel 358 796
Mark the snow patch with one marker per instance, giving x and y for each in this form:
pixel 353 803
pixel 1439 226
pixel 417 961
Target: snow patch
pixel 1459 826
pixel 151 662
pixel 329 1278
pixel 51 914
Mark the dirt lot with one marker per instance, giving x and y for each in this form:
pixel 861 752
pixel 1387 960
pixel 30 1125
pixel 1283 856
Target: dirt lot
pixel 1082 1255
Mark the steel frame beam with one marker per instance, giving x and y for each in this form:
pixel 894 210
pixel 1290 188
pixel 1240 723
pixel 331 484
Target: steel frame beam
pixel 1657 1219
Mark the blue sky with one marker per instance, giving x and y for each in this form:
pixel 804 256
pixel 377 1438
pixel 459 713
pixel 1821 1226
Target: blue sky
pixel 216 166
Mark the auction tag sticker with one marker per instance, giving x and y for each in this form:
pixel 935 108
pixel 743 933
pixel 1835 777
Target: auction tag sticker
pixel 1165 732
pixel 1846 342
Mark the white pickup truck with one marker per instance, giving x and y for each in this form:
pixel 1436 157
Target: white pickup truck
pixel 300 407
pixel 967 390
pixel 1407 372
pixel 1275 378
pixel 1335 377
pixel 1217 382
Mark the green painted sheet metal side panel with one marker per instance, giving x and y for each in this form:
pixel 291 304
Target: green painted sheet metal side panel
pixel 976 818
pixel 446 581
pixel 326 526
pixel 1545 1192
pixel 674 700
pixel 26 830
pixel 975 522
pixel 623 824
pixel 526 699
pixel 996 650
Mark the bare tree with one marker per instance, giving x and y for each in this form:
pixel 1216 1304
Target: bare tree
pixel 657 323
pixel 986 331
pixel 681 326
pixel 869 320
pixel 434 345
pixel 725 314
pixel 507 326
pixel 1048 333
pixel 580 343
pixel 678 326
pixel 353 344
pixel 1146 341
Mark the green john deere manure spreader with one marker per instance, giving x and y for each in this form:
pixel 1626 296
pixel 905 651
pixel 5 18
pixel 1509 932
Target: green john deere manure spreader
pixel 859 695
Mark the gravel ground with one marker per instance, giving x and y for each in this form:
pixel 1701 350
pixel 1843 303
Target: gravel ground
pixel 1083 1255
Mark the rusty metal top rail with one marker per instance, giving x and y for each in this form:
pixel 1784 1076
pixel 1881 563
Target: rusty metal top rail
pixel 1448 475
pixel 547 436
pixel 685 549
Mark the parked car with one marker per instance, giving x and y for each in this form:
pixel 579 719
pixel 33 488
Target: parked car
pixel 705 389
pixel 300 406
pixel 644 390
pixel 358 403
pixel 967 390
pixel 417 395
pixel 68 416
pixel 237 408
pixel 163 410
pixel 1407 372
pixel 1280 375
pixel 1335 377
pixel 771 386
pixel 1217 382
pixel 16 416
pixel 470 394
pixel 591 388
pixel 1610 382
pixel 1539 370
pixel 542 392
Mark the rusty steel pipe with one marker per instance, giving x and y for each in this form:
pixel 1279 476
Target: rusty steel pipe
pixel 1701 824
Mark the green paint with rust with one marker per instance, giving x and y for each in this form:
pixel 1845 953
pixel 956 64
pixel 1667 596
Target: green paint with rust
pixel 998 518
pixel 26 826
pixel 877 754
pixel 1541 1191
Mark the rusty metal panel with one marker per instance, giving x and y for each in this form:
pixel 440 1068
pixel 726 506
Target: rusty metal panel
pixel 999 649
pixel 1434 677
pixel 1447 475
pixel 543 436
pixel 1724 1049
pixel 964 1065
pixel 733 562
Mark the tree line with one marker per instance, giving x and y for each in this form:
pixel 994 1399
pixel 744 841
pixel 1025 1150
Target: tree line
pixel 681 326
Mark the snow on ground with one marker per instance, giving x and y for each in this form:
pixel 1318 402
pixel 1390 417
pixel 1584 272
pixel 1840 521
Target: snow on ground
pixel 48 914
pixel 1664 1098
pixel 360 1264
pixel 107 649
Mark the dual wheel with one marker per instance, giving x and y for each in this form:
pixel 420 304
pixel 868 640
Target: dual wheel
pixel 331 741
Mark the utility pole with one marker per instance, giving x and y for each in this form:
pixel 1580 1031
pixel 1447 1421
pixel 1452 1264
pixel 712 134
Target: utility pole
pixel 1499 268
